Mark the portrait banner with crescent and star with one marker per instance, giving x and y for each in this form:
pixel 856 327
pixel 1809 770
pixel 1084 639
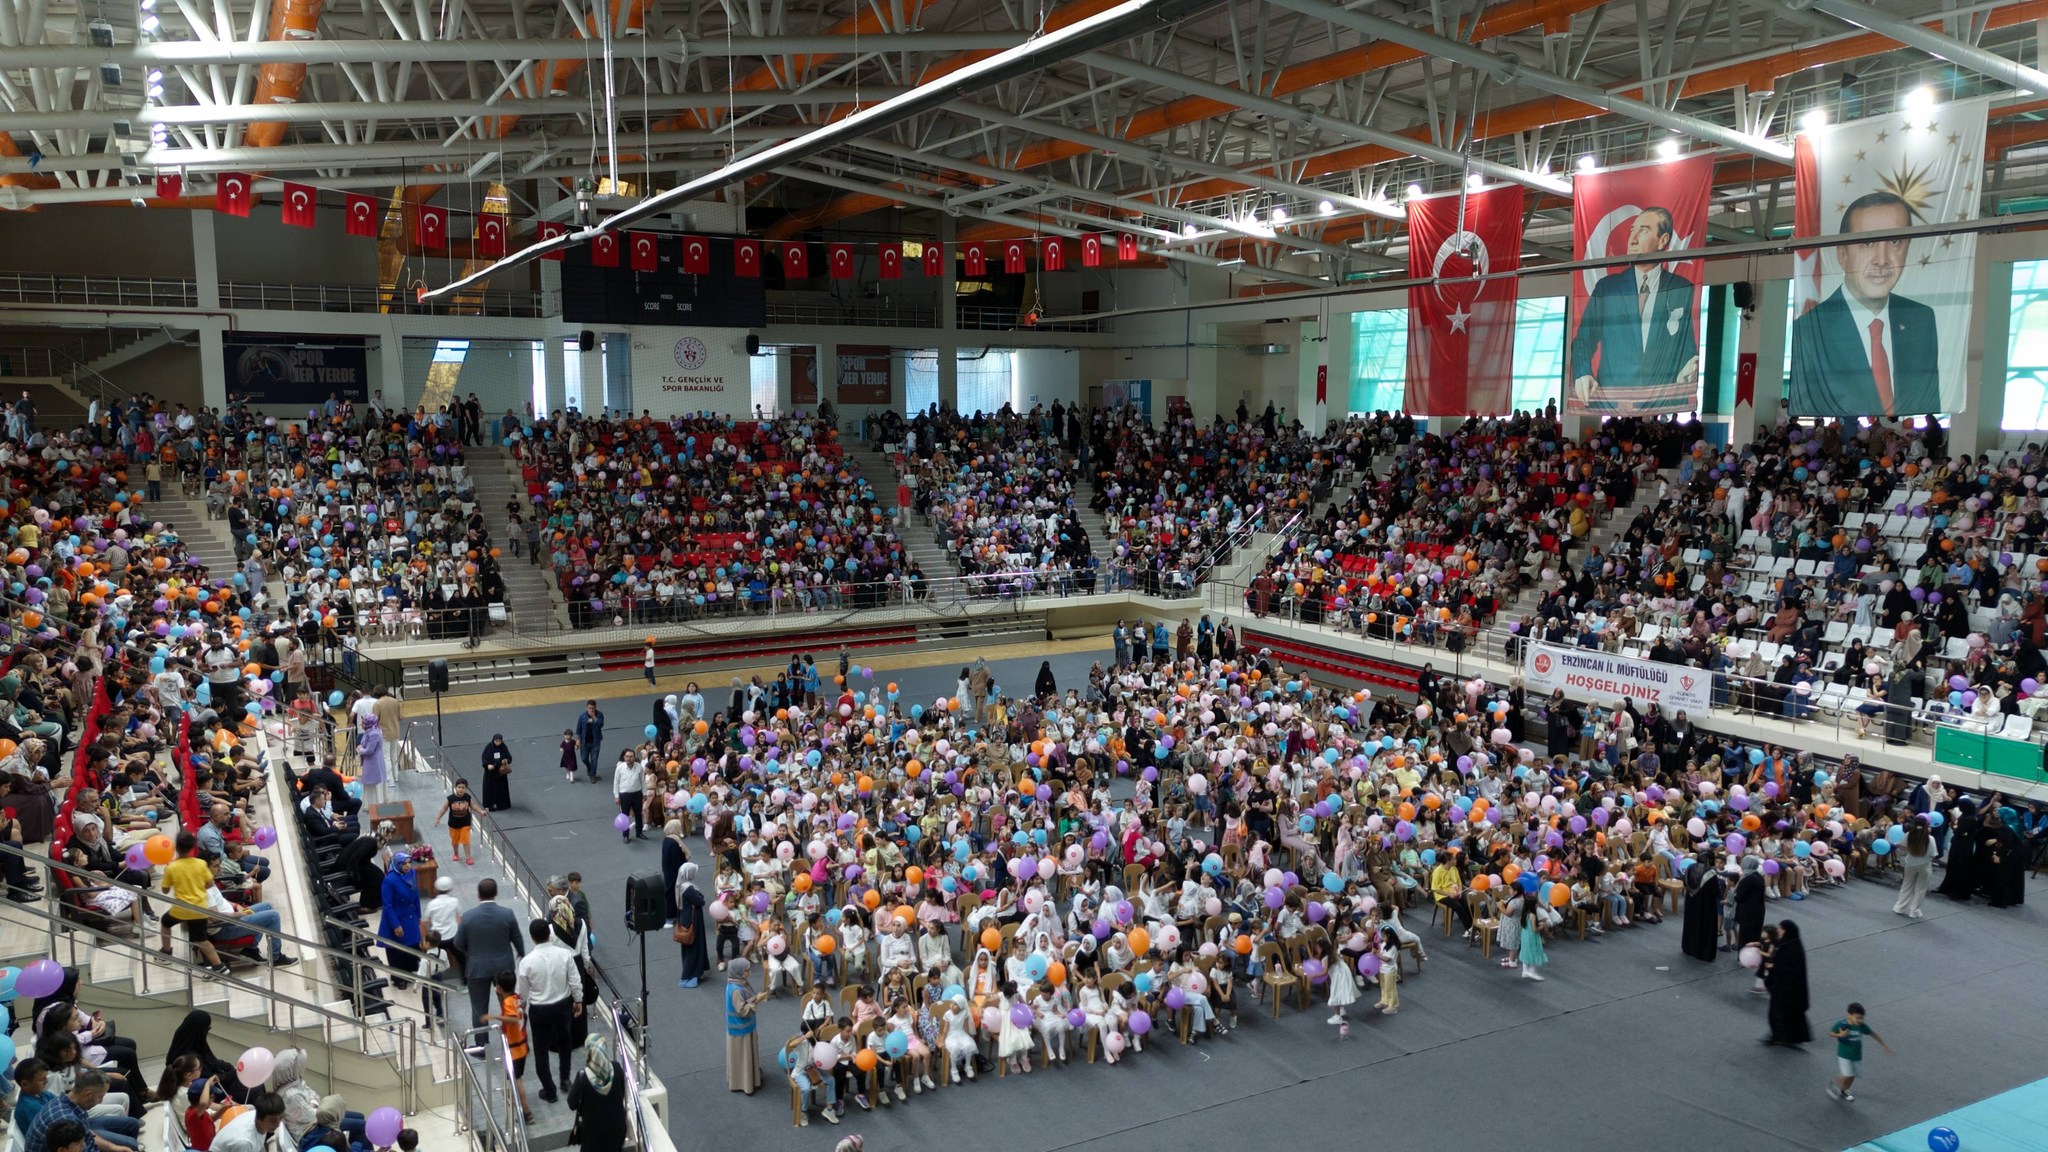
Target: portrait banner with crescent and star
pixel 1461 322
pixel 1635 324
pixel 1881 327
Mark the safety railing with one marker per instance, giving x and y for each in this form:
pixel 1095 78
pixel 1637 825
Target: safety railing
pixel 489 1109
pixel 859 313
pixel 183 293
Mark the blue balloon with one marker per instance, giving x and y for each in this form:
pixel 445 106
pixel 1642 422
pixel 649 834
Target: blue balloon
pixel 335 698
pixel 1881 847
pixel 651 731
pixel 1756 755
pixel 1036 965
pixel 699 802
pixel 1528 881
pixel 912 833
pixel 897 1044
pixel 1307 824
pixel 1936 819
pixel 1143 983
pixel 1332 882
pixel 1802 849
pixel 1943 1139
pixel 953 992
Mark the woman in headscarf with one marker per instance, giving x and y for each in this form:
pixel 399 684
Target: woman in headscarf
pixel 400 920
pixel 598 1098
pixel 1786 982
pixel 691 921
pixel 664 719
pixel 497 765
pixel 370 756
pixel 2002 860
pixel 742 1048
pixel 1965 871
pixel 673 856
pixel 1701 939
pixel 191 1040
pixel 1046 686
pixel 301 1103
pixel 1750 895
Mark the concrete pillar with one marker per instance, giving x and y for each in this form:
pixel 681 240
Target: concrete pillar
pixel 390 368
pixel 1980 427
pixel 1763 337
pixel 1207 394
pixel 213 370
pixel 554 360
pixel 949 319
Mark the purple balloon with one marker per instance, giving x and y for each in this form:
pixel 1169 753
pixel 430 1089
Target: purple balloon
pixel 1101 929
pixel 1176 999
pixel 1275 898
pixel 1020 1015
pixel 1077 1019
pixel 382 1127
pixel 622 822
pixel 1023 867
pixel 1141 1022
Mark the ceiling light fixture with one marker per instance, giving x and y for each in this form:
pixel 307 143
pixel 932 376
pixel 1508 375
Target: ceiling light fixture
pixel 1327 208
pixel 1668 148
pixel 1587 162
pixel 1814 120
pixel 1278 216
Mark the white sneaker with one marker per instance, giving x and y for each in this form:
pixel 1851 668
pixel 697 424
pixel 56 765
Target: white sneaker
pixel 571 778
pixel 929 1086
pixel 900 1095
pixel 1334 1019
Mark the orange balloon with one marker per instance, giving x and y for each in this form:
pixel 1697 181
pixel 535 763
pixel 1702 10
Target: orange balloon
pixel 872 899
pixel 1056 973
pixel 1508 874
pixel 802 882
pixel 865 1059
pixel 159 850
pixel 825 945
pixel 1141 941
pixel 914 874
pixel 1560 895
pixel 1479 883
pixel 991 939
pixel 913 768
pixel 703 727
pixel 906 914
pixel 1242 945
pixel 864 784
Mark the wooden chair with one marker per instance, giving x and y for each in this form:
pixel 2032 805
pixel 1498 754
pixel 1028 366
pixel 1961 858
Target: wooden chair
pixel 1275 976
pixel 861 1032
pixel 1668 884
pixel 796 1053
pixel 1485 919
pixel 847 995
pixel 1133 873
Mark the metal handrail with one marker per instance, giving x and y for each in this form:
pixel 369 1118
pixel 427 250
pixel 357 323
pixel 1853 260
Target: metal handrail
pixel 174 292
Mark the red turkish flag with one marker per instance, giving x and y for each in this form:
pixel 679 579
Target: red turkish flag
pixel 1461 329
pixel 646 249
pixel 935 259
pixel 1013 256
pixel 697 256
pixel 796 262
pixel 490 236
pixel 232 194
pixel 746 257
pixel 1052 254
pixel 169 185
pixel 301 203
pixel 839 260
pixel 892 259
pixel 1126 248
pixel 544 230
pixel 1091 251
pixel 604 250
pixel 976 261
pixel 431 230
pixel 359 215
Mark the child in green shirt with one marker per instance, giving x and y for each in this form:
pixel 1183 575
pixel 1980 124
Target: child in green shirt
pixel 1849 1033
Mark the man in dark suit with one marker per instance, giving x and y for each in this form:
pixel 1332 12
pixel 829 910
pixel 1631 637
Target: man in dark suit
pixel 1640 321
pixel 489 941
pixel 1865 350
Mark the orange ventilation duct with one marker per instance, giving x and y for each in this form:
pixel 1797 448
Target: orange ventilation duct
pixel 281 83
pixel 21 179
pixel 560 72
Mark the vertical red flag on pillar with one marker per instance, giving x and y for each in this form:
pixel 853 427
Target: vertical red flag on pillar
pixel 301 204
pixel 1052 254
pixel 1126 248
pixel 1091 251
pixel 604 250
pixel 170 185
pixel 359 215
pixel 231 194
pixel 1461 328
pixel 646 251
pixel 796 262
pixel 697 256
pixel 746 257
pixel 545 230
pixel 974 262
pixel 431 230
pixel 839 261
pixel 490 236
pixel 935 259
pixel 891 257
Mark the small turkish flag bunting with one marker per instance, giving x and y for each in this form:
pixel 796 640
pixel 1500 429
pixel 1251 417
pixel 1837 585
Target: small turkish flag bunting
pixel 490 237
pixel 646 251
pixel 697 256
pixel 1052 254
pixel 796 263
pixel 746 257
pixel 1013 256
pixel 1091 251
pixel 545 230
pixel 432 229
pixel 231 194
pixel 892 260
pixel 169 185
pixel 935 259
pixel 976 262
pixel 1126 247
pixel 604 250
pixel 840 258
pixel 300 204
pixel 359 215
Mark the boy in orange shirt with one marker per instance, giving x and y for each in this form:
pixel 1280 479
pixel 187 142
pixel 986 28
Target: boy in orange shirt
pixel 511 1017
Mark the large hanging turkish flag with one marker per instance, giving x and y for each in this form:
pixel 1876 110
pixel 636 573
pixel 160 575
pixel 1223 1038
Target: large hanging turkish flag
pixel 746 257
pixel 231 196
pixel 796 262
pixel 1126 248
pixel 301 205
pixel 973 261
pixel 1013 257
pixel 1461 319
pixel 1091 251
pixel 360 214
pixel 170 185
pixel 891 259
pixel 490 236
pixel 431 230
pixel 604 250
pixel 934 259
pixel 697 257
pixel 646 251
pixel 1052 254
pixel 839 261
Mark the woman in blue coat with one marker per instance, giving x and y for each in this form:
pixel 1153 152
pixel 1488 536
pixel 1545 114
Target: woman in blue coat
pixel 400 921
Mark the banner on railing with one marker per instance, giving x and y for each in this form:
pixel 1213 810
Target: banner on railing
pixel 274 368
pixel 1604 678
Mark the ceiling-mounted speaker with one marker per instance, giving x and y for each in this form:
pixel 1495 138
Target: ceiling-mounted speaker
pixel 586 341
pixel 1744 294
pixel 753 344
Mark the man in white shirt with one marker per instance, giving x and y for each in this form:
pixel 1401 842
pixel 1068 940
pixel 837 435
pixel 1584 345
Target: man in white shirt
pixel 255 1130
pixel 551 986
pixel 628 791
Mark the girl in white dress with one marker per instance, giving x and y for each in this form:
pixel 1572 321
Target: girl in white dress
pixel 1050 1009
pixel 1013 1043
pixel 956 1037
pixel 1343 986
pixel 1103 1015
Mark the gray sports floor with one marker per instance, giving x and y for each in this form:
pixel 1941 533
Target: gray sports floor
pixel 1628 1044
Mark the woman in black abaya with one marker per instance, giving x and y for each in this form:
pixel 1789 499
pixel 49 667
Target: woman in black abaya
pixel 1786 981
pixel 1701 939
pixel 1965 873
pixel 2002 861
pixel 1749 903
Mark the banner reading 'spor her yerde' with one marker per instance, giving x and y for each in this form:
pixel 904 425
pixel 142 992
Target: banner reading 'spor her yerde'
pixel 1604 678
pixel 1635 327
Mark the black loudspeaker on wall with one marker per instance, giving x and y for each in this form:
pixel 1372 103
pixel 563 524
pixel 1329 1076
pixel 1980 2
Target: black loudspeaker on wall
pixel 753 344
pixel 586 340
pixel 646 901
pixel 437 675
pixel 1744 294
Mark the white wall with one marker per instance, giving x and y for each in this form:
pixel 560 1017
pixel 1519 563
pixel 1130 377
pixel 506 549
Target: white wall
pixel 1047 375
pixel 664 387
